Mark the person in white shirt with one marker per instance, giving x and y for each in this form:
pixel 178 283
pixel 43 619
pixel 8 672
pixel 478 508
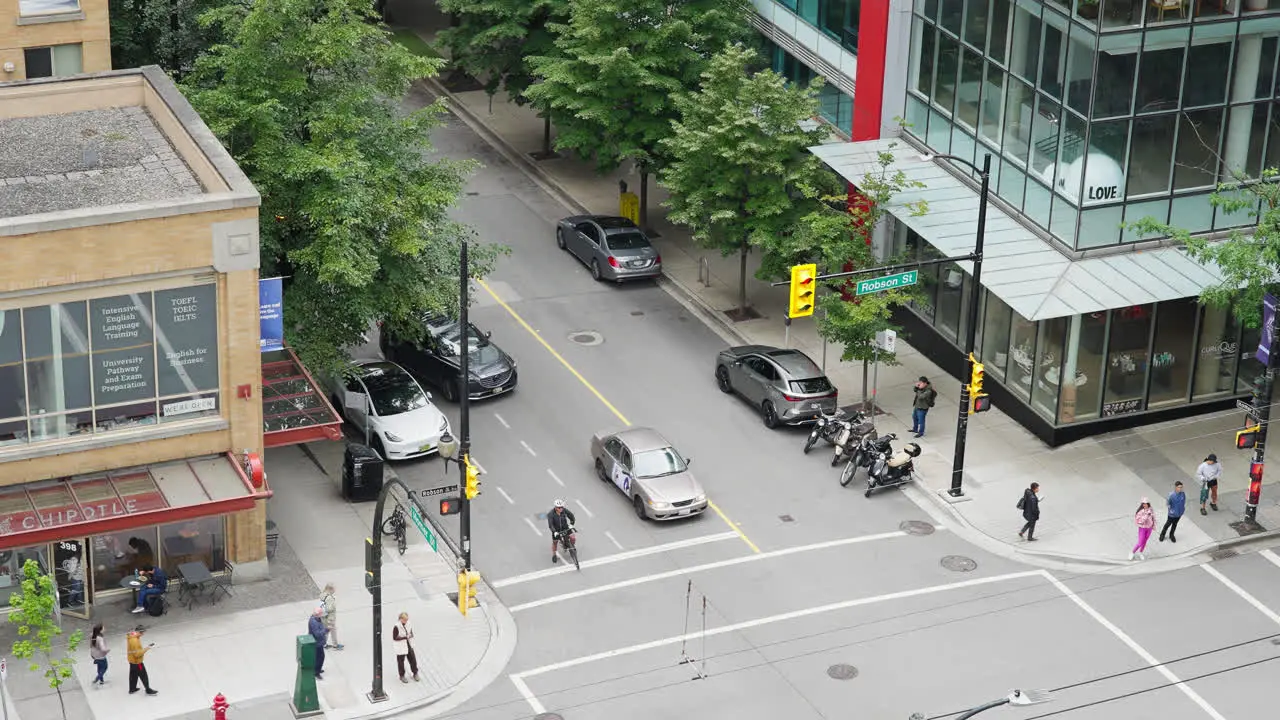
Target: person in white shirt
pixel 402 639
pixel 1208 474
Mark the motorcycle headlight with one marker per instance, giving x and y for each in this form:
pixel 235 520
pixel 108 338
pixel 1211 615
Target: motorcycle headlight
pixel 393 437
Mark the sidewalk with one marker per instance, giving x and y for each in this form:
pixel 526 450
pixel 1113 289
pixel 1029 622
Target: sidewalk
pixel 243 646
pixel 1091 487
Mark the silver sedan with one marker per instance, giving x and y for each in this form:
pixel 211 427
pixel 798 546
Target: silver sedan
pixel 612 247
pixel 649 471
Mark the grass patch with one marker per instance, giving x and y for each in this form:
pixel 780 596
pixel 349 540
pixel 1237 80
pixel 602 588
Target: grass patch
pixel 414 44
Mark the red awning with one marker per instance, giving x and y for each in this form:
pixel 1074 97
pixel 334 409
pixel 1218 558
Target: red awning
pixel 294 408
pixel 50 510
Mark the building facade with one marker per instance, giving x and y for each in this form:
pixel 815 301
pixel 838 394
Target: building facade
pixel 1095 115
pixel 53 38
pixel 131 418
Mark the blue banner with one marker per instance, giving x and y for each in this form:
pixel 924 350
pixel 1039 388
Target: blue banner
pixel 271 313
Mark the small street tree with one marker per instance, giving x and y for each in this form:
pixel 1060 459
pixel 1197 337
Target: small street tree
pixel 738 160
pixel 308 97
pixel 167 33
pixel 41 642
pixel 612 85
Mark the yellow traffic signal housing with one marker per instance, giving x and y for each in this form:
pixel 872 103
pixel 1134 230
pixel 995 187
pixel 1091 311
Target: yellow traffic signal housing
pixel 468 584
pixel 978 400
pixel 1248 438
pixel 804 281
pixel 473 479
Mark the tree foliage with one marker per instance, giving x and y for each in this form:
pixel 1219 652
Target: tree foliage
pixel 307 96
pixel 34 612
pixel 611 87
pixel 162 32
pixel 739 171
pixel 492 38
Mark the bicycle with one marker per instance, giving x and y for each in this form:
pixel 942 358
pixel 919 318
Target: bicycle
pixel 395 526
pixel 568 539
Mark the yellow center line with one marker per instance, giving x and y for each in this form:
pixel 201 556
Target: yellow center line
pixel 587 384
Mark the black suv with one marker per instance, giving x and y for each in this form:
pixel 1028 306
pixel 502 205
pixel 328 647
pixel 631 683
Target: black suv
pixel 493 372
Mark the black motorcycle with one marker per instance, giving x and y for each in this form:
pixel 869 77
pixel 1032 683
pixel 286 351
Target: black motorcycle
pixel 851 437
pixel 891 469
pixel 826 427
pixel 864 455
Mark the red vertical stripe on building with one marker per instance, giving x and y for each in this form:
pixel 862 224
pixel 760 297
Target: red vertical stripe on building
pixel 868 100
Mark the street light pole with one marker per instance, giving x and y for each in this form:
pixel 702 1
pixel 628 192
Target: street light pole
pixel 464 410
pixel 971 332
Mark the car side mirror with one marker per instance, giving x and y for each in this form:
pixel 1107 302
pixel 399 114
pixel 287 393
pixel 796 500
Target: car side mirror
pixel 688 462
pixel 488 334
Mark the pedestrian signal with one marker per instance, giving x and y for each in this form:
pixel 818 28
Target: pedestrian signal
pixel 450 506
pixel 1247 439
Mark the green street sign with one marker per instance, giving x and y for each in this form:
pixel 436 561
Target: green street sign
pixel 425 529
pixel 888 282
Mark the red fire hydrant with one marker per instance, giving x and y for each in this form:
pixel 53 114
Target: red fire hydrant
pixel 220 707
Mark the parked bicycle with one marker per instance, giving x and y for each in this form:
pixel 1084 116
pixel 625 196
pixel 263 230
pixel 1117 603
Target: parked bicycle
pixel 395 525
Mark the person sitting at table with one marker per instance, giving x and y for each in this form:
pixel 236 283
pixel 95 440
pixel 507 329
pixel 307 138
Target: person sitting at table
pixel 156 583
pixel 140 551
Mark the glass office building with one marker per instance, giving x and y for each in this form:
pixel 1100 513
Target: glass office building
pixel 1096 113
pixel 805 39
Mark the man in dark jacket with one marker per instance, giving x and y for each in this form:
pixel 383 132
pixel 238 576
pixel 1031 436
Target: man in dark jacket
pixel 157 583
pixel 316 629
pixel 1030 506
pixel 925 396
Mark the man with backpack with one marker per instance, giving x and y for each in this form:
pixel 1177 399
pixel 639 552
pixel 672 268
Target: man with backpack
pixel 157 583
pixel 1030 507
pixel 925 398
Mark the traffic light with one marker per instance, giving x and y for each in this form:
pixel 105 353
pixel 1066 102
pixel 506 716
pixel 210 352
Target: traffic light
pixel 473 478
pixel 979 401
pixel 369 564
pixel 468 583
pixel 803 284
pixel 1255 483
pixel 450 506
pixel 1255 390
pixel 1247 438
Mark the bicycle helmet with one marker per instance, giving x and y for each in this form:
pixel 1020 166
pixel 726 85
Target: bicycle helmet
pixel 559 503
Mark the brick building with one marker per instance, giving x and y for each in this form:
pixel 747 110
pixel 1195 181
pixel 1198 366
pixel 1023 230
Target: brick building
pixel 53 38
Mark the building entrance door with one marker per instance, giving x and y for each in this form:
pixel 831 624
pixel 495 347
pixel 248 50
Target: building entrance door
pixel 70 572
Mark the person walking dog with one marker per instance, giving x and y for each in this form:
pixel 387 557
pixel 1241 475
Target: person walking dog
pixel 1208 474
pixel 1177 505
pixel 1145 518
pixel 1030 507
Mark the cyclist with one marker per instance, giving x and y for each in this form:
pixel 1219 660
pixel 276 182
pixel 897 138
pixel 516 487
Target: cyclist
pixel 560 520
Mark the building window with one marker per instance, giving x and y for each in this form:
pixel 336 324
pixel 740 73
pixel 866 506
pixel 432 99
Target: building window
pixel 200 540
pixel 120 555
pixel 110 363
pixel 839 20
pixel 1085 357
pixel 1049 352
pixel 11 562
pixel 55 61
pixel 995 336
pixel 47 7
pixel 950 299
pixel 1022 353
pixel 1128 358
pixel 1173 352
pixel 1218 348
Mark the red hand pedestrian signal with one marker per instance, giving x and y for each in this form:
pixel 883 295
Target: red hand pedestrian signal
pixel 450 506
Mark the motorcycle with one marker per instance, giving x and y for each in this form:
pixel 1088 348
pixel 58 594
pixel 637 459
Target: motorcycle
pixel 864 455
pixel 826 427
pixel 851 437
pixel 891 469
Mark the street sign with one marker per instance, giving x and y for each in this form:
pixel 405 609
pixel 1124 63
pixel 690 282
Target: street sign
pixel 888 282
pixel 1247 407
pixel 437 491
pixel 423 528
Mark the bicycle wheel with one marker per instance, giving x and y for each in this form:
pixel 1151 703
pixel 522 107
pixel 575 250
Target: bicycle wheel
pixel 573 555
pixel 402 541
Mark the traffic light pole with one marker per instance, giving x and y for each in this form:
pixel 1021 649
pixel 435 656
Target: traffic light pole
pixel 464 411
pixel 1264 417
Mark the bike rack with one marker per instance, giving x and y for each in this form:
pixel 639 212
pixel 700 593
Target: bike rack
pixel 704 271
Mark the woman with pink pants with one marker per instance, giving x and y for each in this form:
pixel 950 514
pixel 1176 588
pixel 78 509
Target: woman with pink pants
pixel 1146 521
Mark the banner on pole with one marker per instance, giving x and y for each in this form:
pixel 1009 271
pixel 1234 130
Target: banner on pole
pixel 1268 330
pixel 271 313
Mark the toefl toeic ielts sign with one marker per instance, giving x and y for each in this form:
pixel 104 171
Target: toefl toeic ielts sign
pixel 888 282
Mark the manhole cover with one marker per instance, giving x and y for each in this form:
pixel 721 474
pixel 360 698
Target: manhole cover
pixel 586 337
pixel 548 716
pixel 786 518
pixel 1223 554
pixel 637 313
pixel 915 527
pixel 959 563
pixel 842 671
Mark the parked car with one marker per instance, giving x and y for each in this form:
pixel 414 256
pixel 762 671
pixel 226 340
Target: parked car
pixel 402 423
pixel 436 360
pixel 613 247
pixel 785 385
pixel 652 474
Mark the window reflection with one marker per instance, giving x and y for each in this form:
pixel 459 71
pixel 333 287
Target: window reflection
pixel 1173 352
pixel 995 336
pixel 1022 348
pixel 1127 360
pixel 11 562
pixel 1218 347
pixel 200 540
pixel 119 555
pixel 1048 373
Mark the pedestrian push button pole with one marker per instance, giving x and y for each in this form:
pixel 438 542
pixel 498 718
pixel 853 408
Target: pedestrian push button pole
pixel 468 584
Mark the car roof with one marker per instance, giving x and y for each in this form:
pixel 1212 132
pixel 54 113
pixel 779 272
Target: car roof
pixel 796 363
pixel 379 368
pixel 640 439
pixel 613 222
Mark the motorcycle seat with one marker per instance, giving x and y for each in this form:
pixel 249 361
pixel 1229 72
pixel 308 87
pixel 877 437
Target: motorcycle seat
pixel 899 459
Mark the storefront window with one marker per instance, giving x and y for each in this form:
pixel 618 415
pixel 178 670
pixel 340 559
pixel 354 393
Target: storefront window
pixel 995 336
pixel 1083 362
pixel 57 365
pixel 950 289
pixel 1022 353
pixel 1250 370
pixel 120 555
pixel 11 562
pixel 200 540
pixel 1173 351
pixel 1127 360
pixel 1219 349
pixel 1048 373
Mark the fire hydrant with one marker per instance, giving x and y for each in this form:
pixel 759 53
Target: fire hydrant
pixel 220 707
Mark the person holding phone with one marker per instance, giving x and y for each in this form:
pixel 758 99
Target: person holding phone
pixel 136 655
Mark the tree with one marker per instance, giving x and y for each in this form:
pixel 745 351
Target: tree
pixel 837 235
pixel 612 85
pixel 307 97
pixel 739 159
pixel 161 32
pixel 34 607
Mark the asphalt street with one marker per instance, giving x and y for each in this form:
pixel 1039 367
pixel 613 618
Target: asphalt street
pixel 797 598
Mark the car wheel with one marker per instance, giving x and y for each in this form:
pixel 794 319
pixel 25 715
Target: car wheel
pixel 769 415
pixel 595 270
pixel 722 379
pixel 560 239
pixel 378 448
pixel 450 391
pixel 600 470
pixel 638 503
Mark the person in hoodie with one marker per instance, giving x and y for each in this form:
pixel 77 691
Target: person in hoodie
pixel 1145 519
pixel 137 655
pixel 98 651
pixel 1030 507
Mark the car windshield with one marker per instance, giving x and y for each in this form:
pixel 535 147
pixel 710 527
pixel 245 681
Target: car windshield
pixel 394 393
pixel 482 352
pixel 627 241
pixel 656 463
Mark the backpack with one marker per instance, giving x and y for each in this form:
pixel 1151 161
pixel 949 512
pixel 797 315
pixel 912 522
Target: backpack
pixel 1022 502
pixel 155 605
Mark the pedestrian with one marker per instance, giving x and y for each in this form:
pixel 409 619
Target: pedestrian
pixel 1030 507
pixel 136 655
pixel 1208 474
pixel 1177 504
pixel 98 651
pixel 402 637
pixel 315 628
pixel 925 398
pixel 1145 518
pixel 156 584
pixel 330 604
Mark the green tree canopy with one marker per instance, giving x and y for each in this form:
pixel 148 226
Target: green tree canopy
pixel 492 38
pixel 739 170
pixel 307 96
pixel 34 613
pixel 612 85
pixel 162 32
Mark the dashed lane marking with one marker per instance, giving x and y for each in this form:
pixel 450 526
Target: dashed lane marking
pixel 619 557
pixel 555 477
pixel 526 447
pixel 504 494
pixel 504 422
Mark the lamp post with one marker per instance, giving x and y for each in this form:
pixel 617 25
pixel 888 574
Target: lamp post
pixel 459 450
pixel 971 332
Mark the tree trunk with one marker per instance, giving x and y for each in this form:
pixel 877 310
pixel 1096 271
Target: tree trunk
pixel 866 404
pixel 742 278
pixel 644 199
pixel 546 135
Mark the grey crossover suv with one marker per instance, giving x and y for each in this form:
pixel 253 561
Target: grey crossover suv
pixel 785 385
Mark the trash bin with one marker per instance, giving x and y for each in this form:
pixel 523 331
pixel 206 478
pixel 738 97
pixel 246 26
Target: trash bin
pixel 361 474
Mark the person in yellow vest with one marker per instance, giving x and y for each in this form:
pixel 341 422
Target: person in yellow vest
pixel 136 654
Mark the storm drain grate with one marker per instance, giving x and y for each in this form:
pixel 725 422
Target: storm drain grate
pixel 786 518
pixel 959 563
pixel 586 337
pixel 841 671
pixel 1223 554
pixel 915 527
